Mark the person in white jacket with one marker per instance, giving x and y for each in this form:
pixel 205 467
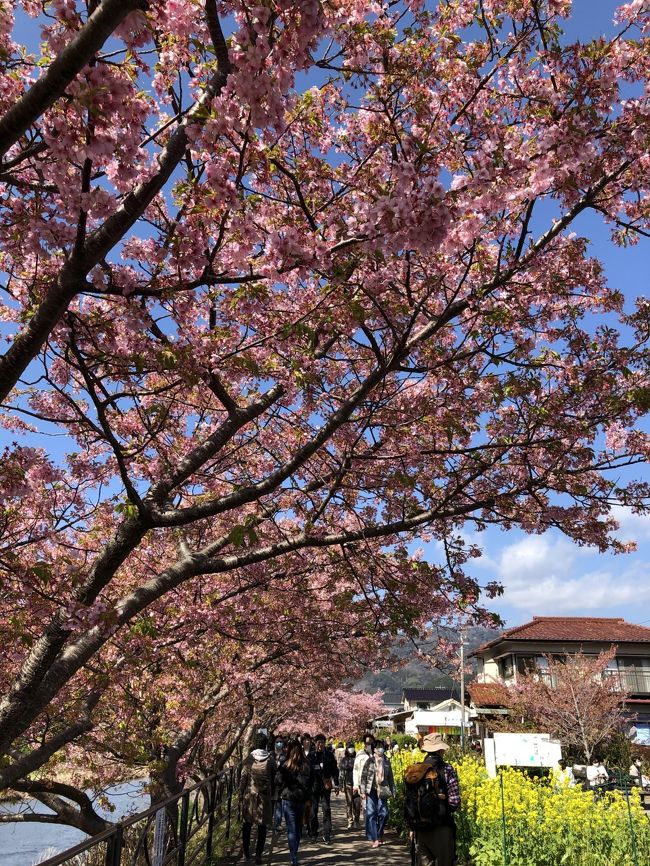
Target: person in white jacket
pixel 357 770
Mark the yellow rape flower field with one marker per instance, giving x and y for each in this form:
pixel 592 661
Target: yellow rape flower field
pixel 537 822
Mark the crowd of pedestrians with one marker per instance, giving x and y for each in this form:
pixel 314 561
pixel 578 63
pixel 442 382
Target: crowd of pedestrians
pixel 288 788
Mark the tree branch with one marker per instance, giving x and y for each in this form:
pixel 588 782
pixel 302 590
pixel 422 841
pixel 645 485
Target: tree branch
pixel 71 60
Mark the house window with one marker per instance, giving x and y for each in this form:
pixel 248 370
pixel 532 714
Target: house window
pixel 634 674
pixel 506 667
pixel 528 664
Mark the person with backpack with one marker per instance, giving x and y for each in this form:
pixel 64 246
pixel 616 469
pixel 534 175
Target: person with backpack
pixel 432 796
pixel 377 784
pixel 256 796
pixel 294 780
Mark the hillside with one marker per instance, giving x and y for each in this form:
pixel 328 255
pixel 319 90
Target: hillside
pixel 412 672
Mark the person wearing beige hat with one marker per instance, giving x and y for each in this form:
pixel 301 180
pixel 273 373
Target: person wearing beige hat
pixel 435 785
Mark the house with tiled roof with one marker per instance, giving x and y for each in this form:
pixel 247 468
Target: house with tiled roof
pixel 524 647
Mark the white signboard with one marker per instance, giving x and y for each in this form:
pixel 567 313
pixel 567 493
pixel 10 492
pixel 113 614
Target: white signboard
pixel 521 750
pixel 424 719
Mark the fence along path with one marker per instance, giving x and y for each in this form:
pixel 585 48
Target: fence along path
pixel 348 846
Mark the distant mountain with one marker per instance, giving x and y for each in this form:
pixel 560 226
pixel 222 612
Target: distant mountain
pixel 412 672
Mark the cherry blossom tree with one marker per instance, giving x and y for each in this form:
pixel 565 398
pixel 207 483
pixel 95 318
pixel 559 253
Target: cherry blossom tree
pixel 185 692
pixel 339 713
pixel 295 285
pixel 573 699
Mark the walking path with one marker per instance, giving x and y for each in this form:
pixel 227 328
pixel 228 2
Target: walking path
pixel 348 846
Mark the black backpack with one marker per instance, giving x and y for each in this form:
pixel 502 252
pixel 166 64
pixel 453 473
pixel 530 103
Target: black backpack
pixel 425 803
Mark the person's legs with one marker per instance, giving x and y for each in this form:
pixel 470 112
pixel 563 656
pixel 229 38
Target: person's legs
pixel 246 829
pixel 371 817
pixel 349 804
pixel 436 847
pixel 292 813
pixel 277 815
pixel 313 822
pixel 424 853
pixel 382 817
pixel 261 839
pixel 326 802
pixel 356 805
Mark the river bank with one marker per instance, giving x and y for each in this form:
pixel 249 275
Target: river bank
pixel 28 843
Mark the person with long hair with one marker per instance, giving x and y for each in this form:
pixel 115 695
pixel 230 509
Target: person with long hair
pixel 294 782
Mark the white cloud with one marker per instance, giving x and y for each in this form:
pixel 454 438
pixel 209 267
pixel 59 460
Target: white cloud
pixel 547 574
pixel 633 527
pixel 595 591
pixel 532 557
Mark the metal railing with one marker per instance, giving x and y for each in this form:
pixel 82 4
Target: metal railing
pixel 185 830
pixel 635 681
pixel 632 681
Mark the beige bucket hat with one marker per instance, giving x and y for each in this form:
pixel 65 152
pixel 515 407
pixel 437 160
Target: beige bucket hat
pixel 433 743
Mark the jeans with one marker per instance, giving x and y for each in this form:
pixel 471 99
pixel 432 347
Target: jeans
pixel 277 815
pixel 292 813
pixel 352 805
pixel 376 816
pixel 321 798
pixel 246 829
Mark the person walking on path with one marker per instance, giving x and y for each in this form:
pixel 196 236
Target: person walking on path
pixel 280 752
pixel 378 785
pixel 326 778
pixel 360 760
pixel 308 748
pixel 359 764
pixel 256 796
pixel 434 802
pixel 346 780
pixel 294 781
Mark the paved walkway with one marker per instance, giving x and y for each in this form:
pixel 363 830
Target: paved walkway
pixel 348 846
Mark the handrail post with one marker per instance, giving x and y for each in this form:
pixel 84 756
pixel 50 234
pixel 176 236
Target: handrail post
pixel 213 809
pixel 182 836
pixel 114 847
pixel 503 820
pixel 231 785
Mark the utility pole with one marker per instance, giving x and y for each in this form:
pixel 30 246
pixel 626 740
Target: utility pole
pixel 462 688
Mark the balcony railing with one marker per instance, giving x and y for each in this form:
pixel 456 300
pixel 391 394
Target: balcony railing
pixel 634 681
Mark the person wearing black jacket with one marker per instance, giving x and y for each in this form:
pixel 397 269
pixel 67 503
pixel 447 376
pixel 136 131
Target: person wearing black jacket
pixel 294 781
pixel 326 777
pixel 346 780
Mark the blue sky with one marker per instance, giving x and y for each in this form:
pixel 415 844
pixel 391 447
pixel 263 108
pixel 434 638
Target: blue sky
pixel 548 574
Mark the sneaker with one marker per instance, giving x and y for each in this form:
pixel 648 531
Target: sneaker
pixel 327 840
